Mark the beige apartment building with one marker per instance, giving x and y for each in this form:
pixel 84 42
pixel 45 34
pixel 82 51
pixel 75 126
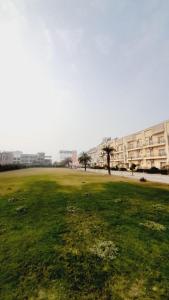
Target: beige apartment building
pixel 146 148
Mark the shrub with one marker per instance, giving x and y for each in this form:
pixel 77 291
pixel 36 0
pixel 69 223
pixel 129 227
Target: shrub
pixel 11 167
pixel 97 167
pixel 164 171
pixel 153 170
pixel 122 169
pixel 142 179
pixel 116 168
pixel 140 170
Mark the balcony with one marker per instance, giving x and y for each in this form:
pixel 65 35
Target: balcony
pixel 146 145
pixel 156 156
pixel 148 156
pixel 118 160
pixel 119 151
pixel 155 143
pixel 136 158
pixel 134 147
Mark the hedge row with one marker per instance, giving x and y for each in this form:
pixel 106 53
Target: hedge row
pixel 152 170
pixel 10 167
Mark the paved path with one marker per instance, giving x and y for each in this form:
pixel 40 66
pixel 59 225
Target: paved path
pixel 149 177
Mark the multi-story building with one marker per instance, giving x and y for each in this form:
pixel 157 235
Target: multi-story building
pixel 93 153
pixel 97 158
pixel 64 154
pixel 6 158
pixel 17 157
pixel 146 148
pixel 35 159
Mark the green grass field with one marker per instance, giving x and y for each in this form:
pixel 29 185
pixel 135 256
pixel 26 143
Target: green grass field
pixel 69 235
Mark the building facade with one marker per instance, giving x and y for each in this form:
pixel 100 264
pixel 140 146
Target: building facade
pixel 17 157
pixel 147 148
pixel 6 158
pixel 97 158
pixel 64 154
pixel 39 159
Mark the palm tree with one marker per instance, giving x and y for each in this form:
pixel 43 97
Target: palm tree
pixel 68 162
pixel 108 151
pixel 84 159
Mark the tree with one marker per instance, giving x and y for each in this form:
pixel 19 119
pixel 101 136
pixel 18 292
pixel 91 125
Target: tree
pixel 108 151
pixel 56 164
pixel 84 159
pixel 66 162
pixel 132 167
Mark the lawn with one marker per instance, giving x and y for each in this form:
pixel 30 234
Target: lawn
pixel 69 235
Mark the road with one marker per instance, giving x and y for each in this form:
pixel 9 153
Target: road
pixel 150 177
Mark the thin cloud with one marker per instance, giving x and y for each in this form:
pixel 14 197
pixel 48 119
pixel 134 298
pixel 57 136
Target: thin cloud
pixel 104 43
pixel 49 44
pixel 70 39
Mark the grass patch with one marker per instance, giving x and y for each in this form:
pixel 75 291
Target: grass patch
pixel 71 235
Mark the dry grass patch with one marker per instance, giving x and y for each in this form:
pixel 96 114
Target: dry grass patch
pixel 57 292
pixel 153 226
pixel 123 289
pixel 105 250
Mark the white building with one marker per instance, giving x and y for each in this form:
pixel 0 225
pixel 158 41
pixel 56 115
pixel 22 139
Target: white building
pixel 64 154
pixel 35 159
pixel 6 158
pixel 17 157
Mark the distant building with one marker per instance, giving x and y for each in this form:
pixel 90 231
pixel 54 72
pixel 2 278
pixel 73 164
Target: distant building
pixel 39 159
pixel 6 158
pixel 17 157
pixel 64 154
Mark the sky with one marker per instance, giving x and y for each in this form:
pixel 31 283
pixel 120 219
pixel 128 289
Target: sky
pixel 75 71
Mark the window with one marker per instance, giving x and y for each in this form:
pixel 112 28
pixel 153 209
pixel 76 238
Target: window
pixel 160 139
pixel 161 152
pixel 139 142
pixel 162 164
pixel 130 145
pixel 138 154
pixel 150 140
pixel 147 141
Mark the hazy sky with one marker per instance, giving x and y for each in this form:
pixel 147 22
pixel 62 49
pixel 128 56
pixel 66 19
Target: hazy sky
pixel 75 71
